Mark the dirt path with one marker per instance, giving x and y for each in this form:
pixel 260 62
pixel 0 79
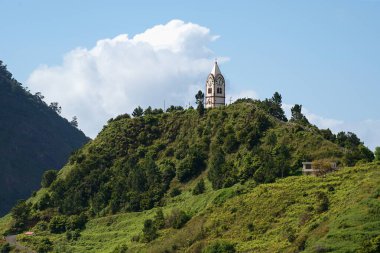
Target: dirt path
pixel 11 239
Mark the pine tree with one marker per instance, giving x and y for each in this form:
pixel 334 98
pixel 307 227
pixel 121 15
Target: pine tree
pixel 199 97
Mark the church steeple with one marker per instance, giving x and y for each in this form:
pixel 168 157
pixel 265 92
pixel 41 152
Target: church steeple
pixel 215 88
pixel 215 70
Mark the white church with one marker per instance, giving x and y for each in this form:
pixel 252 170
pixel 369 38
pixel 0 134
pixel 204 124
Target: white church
pixel 215 88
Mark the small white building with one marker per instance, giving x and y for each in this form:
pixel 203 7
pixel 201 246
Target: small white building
pixel 308 168
pixel 215 88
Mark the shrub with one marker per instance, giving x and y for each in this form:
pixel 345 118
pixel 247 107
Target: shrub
pixel 230 143
pixel 199 188
pixel 121 249
pixel 175 192
pixel 21 216
pixel 191 165
pixel 250 227
pixel 44 202
pixel 44 246
pixel 57 224
pixel 48 178
pixel 323 166
pixel 177 219
pixel 135 238
pixel 75 222
pixel 220 247
pixel 373 207
pixel 72 235
pixel 42 225
pixel 159 219
pixel 321 249
pixel 149 231
pixel 322 202
pixel 372 245
pixel 5 248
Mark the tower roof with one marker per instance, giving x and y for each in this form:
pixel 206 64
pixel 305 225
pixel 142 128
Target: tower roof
pixel 215 70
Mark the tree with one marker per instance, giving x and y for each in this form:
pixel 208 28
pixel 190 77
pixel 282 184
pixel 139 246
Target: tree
pixel 328 135
pixel 276 107
pixel 347 140
pixel 148 111
pixel 168 172
pixel 323 166
pixel 178 218
pixel 149 231
pixel 44 246
pixel 55 107
pixel 21 215
pixel 74 121
pixel 159 219
pixel 76 222
pixel 173 108
pixel 39 96
pixel 297 114
pixel 191 165
pixel 199 188
pixel 199 99
pixel 355 149
pixel 44 202
pixel 58 224
pixel 219 172
pixel 48 178
pixel 282 156
pixel 377 153
pixel 157 111
pixel 138 112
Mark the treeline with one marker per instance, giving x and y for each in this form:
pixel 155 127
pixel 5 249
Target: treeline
pixel 12 85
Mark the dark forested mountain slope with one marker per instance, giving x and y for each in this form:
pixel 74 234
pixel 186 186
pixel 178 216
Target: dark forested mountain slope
pixel 33 138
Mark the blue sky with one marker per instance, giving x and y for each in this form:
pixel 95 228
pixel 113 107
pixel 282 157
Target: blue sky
pixel 322 54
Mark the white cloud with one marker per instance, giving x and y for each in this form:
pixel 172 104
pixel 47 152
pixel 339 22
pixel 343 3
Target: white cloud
pixel 166 62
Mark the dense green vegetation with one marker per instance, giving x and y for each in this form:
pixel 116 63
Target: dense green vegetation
pixel 33 138
pixel 133 162
pixel 335 213
pixel 198 180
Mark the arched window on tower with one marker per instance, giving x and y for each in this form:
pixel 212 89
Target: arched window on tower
pixel 209 90
pixel 219 91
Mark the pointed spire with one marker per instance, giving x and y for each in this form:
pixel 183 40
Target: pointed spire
pixel 215 70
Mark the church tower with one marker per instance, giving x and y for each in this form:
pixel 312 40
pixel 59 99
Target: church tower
pixel 215 88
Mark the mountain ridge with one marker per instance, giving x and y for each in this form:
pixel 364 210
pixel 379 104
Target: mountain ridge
pixel 33 138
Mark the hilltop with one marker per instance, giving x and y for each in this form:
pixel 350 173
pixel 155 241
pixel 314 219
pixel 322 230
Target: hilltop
pixel 33 139
pixel 213 174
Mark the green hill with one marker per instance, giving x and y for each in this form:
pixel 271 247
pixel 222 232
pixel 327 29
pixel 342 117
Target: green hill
pixel 138 166
pixel 285 216
pixel 33 138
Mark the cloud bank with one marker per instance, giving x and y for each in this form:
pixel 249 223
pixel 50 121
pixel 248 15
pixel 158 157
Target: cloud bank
pixel 166 62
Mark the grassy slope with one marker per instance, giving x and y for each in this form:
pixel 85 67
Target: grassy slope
pixel 283 217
